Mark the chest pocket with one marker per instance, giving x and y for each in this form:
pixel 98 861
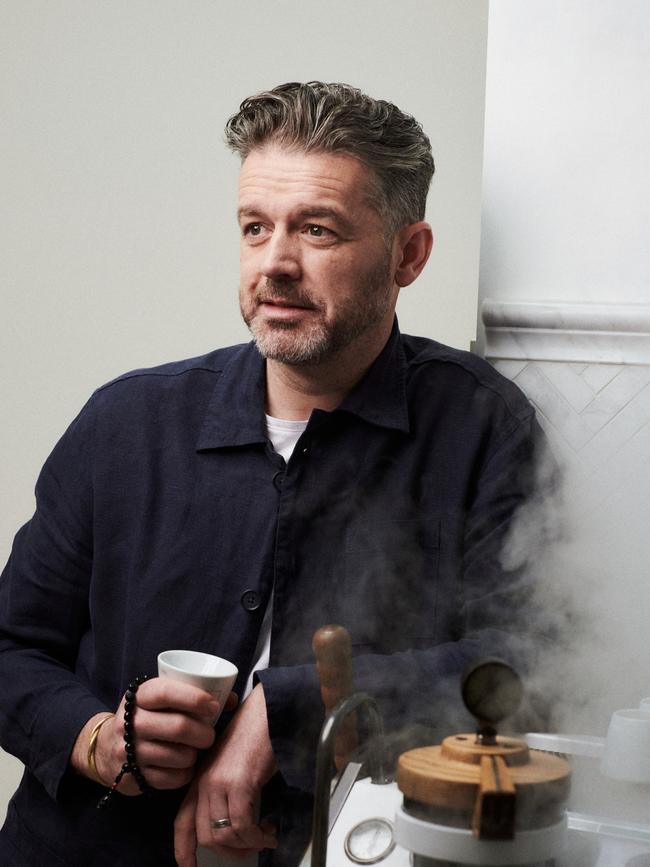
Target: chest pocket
pixel 391 583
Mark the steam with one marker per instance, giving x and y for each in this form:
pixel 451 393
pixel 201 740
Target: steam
pixel 592 595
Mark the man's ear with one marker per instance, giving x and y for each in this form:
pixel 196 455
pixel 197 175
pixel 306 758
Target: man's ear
pixel 414 243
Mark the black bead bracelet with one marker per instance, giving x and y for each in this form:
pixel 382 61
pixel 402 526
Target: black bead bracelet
pixel 130 766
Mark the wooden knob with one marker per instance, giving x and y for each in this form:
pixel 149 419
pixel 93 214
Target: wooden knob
pixel 333 651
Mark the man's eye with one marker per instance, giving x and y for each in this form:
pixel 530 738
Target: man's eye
pixel 315 231
pixel 254 229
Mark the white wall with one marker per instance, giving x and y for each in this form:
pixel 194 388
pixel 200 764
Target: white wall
pixel 119 245
pixel 566 204
pixel 565 221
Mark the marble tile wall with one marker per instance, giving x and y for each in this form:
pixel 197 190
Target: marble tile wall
pixel 587 371
pixel 596 416
pixel 593 402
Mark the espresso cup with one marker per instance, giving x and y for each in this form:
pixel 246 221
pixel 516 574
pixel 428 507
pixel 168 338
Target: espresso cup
pixel 627 746
pixel 212 673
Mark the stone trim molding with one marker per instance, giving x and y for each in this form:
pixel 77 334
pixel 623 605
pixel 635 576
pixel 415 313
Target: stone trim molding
pixel 557 331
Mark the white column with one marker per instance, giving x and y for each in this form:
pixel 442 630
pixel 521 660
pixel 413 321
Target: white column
pixel 565 287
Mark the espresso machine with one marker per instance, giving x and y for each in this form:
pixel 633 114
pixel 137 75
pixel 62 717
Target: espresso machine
pixel 479 798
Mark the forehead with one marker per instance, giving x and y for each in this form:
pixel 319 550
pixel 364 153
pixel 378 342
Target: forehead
pixel 273 174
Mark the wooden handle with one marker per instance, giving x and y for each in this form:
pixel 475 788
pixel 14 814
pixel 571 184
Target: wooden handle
pixel 494 810
pixel 333 651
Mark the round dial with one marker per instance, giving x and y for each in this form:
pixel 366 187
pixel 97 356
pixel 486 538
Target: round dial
pixel 370 841
pixel 491 690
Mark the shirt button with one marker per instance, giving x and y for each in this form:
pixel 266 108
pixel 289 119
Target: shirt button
pixel 278 480
pixel 251 600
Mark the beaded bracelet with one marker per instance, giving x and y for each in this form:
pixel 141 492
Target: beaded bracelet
pixel 130 765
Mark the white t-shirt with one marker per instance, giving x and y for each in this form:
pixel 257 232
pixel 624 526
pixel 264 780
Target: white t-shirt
pixel 284 435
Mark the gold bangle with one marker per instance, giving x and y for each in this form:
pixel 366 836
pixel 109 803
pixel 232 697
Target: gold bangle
pixel 92 745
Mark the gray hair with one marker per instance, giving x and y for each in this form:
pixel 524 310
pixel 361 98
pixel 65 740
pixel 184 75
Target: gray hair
pixel 330 118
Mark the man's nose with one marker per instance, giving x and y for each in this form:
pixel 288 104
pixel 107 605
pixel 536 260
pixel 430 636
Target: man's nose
pixel 281 256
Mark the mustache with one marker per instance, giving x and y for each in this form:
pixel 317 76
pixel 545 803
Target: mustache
pixel 287 292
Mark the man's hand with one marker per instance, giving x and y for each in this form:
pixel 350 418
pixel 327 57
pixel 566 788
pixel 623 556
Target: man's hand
pixel 227 786
pixel 172 723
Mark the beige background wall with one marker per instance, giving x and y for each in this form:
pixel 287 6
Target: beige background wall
pixel 117 231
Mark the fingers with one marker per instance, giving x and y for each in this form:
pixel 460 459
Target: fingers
pixel 184 831
pixel 167 778
pixel 192 827
pixel 244 836
pixel 170 726
pixel 166 766
pixel 166 755
pixel 173 727
pixel 243 818
pixel 231 780
pixel 164 693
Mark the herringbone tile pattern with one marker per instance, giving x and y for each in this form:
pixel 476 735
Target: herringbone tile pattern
pixel 597 418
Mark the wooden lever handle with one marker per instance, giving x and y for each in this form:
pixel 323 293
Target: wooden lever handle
pixel 494 809
pixel 333 651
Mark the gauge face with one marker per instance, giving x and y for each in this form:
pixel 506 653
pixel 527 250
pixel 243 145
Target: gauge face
pixel 491 690
pixel 370 841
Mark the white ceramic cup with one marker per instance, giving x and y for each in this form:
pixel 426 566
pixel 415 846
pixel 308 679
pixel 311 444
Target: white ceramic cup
pixel 212 673
pixel 627 746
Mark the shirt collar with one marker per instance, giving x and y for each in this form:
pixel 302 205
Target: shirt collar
pixel 235 415
pixel 380 397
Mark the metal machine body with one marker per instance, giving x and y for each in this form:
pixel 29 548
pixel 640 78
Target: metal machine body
pixel 416 841
pixel 482 799
pixel 370 825
pixel 581 840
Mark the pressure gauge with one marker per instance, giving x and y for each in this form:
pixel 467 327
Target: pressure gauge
pixel 370 841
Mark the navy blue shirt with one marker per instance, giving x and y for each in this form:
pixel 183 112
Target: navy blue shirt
pixel 164 519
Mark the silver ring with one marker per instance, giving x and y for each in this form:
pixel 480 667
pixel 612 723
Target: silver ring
pixel 216 824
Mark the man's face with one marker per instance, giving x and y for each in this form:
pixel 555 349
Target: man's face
pixel 316 270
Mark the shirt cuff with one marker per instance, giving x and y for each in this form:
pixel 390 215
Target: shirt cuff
pixel 53 738
pixel 295 716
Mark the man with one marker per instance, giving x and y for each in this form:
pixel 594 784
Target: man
pixel 332 471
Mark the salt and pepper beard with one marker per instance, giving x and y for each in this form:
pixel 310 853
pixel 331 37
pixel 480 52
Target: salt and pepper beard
pixel 311 342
